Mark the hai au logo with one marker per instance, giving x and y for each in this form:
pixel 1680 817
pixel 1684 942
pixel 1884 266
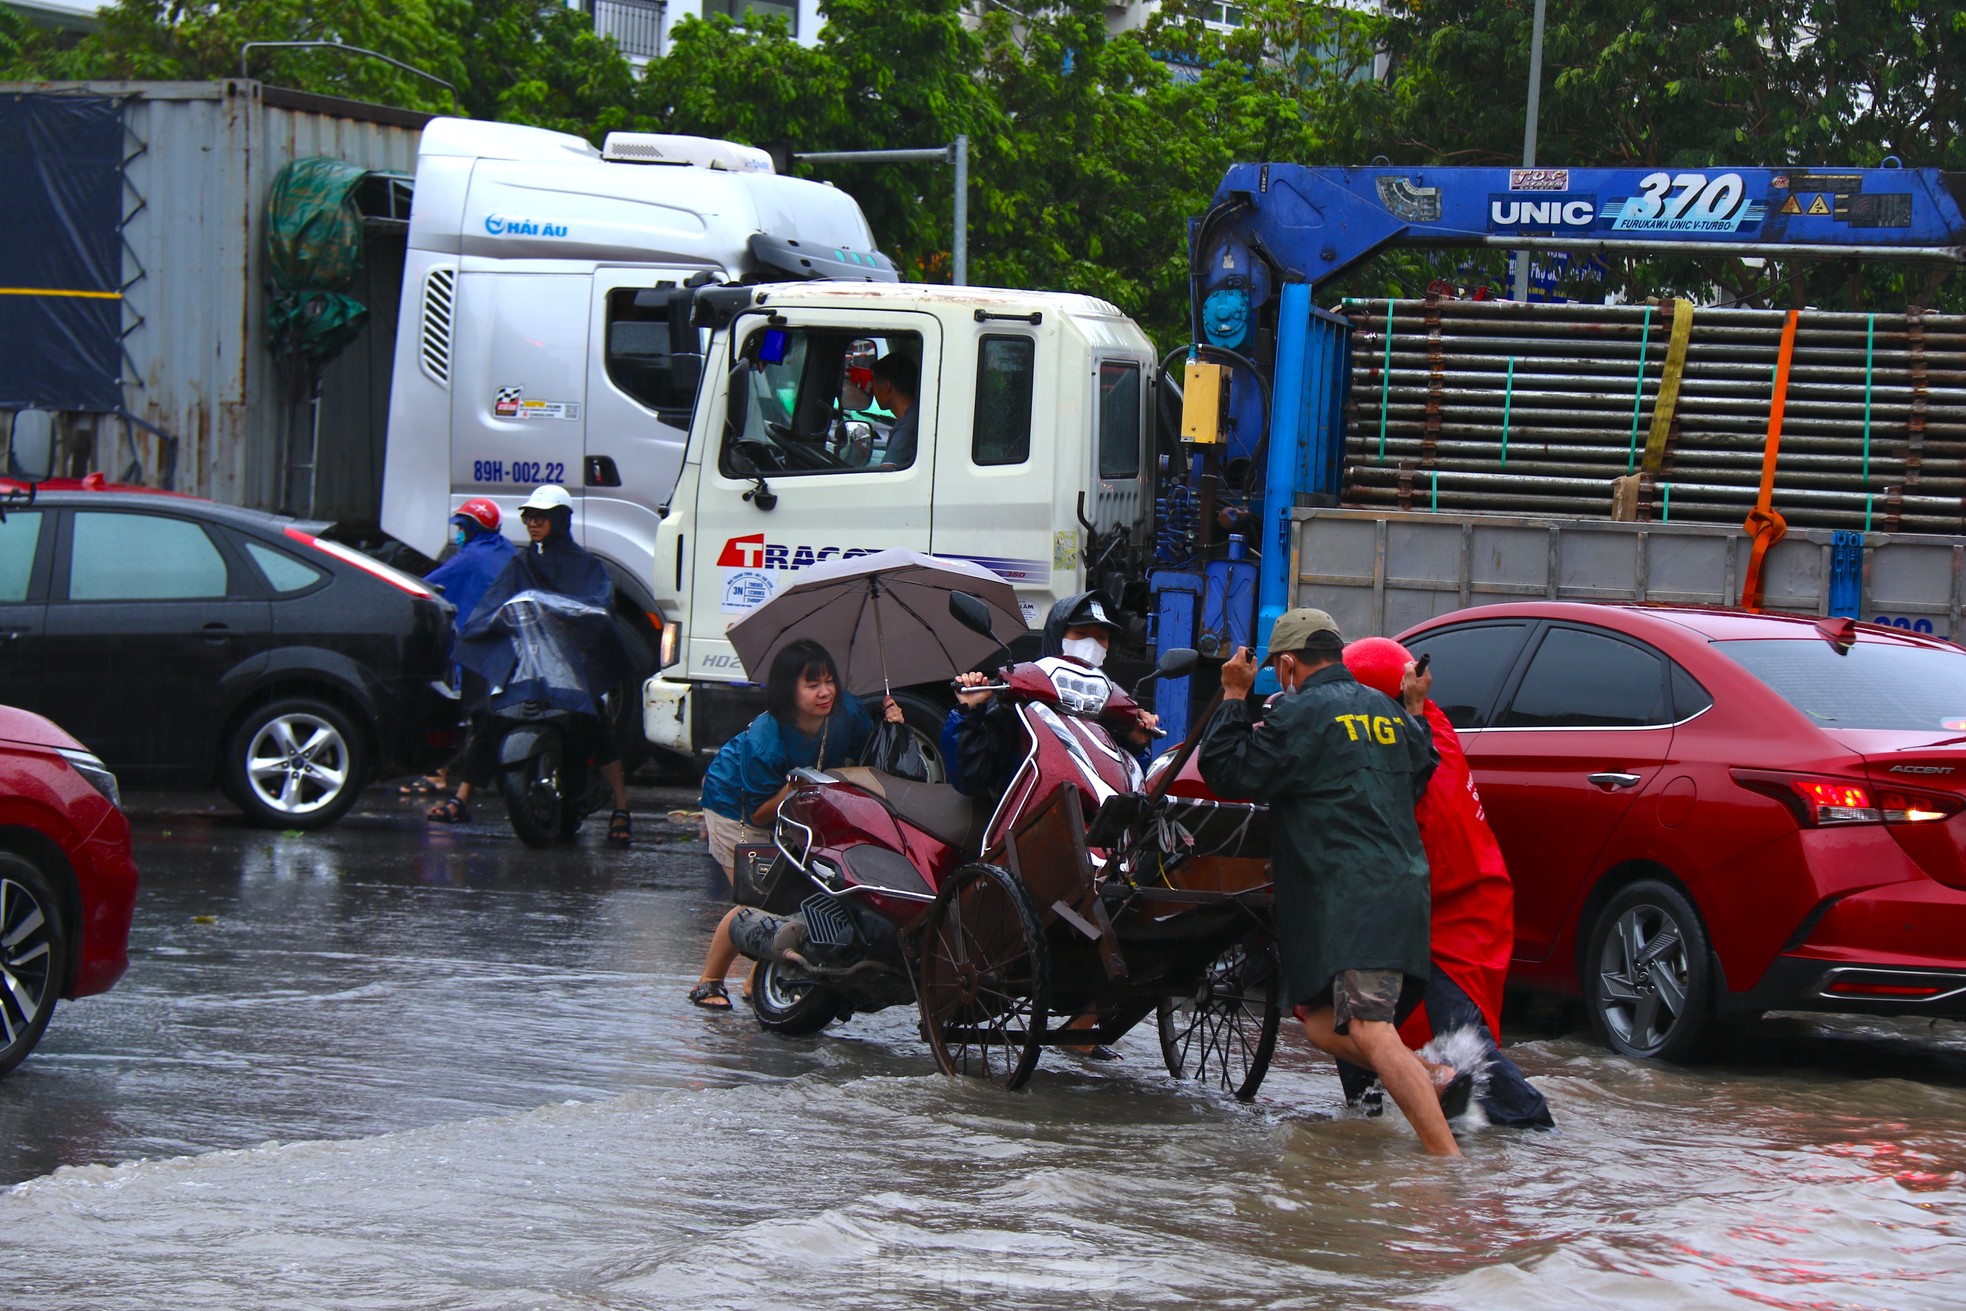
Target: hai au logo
pixel 501 226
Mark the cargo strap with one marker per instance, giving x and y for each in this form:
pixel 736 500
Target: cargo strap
pixel 1667 404
pixel 1765 524
pixel 1638 389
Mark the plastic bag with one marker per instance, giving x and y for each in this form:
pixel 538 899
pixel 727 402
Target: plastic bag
pixel 893 749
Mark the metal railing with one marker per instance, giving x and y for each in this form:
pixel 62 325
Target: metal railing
pixel 635 25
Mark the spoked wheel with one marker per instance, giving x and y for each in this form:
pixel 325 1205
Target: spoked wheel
pixel 986 977
pixel 535 797
pixel 1225 1032
pixel 1650 986
pixel 34 947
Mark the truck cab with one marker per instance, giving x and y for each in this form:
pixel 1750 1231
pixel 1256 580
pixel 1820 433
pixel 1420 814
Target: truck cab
pixel 537 344
pixel 1033 443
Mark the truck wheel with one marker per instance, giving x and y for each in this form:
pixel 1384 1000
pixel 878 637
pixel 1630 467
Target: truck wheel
pixel 1648 974
pixel 34 952
pixel 295 763
pixel 924 716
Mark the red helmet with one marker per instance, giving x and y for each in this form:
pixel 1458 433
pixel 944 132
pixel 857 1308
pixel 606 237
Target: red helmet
pixel 1379 663
pixel 480 511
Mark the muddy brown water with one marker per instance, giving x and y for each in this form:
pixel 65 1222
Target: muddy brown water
pixel 391 1066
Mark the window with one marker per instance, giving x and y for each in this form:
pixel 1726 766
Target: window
pixel 19 536
pixel 740 10
pixel 1119 419
pixel 283 573
pixel 1004 370
pixel 142 557
pixel 1688 697
pixel 1874 685
pixel 1468 666
pixel 1582 679
pixel 802 401
pixel 640 359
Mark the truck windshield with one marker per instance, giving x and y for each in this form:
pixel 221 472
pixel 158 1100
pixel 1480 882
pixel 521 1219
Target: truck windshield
pixel 802 401
pixel 1874 685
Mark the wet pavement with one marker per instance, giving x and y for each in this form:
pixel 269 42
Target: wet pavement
pixel 392 1064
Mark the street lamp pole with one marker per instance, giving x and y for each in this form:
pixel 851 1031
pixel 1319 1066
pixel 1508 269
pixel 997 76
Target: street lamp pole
pixel 955 153
pixel 1529 133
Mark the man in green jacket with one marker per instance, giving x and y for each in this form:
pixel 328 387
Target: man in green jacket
pixel 1340 766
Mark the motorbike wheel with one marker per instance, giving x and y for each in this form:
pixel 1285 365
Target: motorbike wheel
pixel 295 763
pixel 535 797
pixel 34 947
pixel 1225 1032
pixel 985 977
pixel 793 1007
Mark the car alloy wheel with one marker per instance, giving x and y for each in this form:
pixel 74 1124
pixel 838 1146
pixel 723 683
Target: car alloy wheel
pixel 1649 979
pixel 295 764
pixel 33 957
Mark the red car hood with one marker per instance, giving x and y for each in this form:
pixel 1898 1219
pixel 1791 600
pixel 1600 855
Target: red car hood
pixel 32 730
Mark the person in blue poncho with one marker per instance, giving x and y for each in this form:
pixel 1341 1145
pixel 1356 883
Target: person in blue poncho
pixel 552 562
pixel 808 721
pixel 481 556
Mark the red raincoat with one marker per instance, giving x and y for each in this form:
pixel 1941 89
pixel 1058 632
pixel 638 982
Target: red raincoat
pixel 1474 902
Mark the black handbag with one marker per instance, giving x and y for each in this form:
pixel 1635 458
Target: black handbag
pixel 893 749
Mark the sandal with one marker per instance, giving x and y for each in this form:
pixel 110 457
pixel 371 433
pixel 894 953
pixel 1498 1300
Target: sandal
pixel 621 831
pixel 709 993
pixel 426 786
pixel 448 811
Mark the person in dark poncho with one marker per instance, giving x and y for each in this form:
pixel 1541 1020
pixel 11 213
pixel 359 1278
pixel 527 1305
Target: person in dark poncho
pixel 554 562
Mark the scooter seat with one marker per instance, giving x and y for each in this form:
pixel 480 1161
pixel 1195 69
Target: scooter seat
pixel 935 808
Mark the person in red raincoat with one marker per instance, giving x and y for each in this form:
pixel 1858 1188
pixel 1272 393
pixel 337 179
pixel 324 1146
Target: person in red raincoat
pixel 1473 926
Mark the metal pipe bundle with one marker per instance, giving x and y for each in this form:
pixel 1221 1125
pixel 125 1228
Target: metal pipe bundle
pixel 1873 433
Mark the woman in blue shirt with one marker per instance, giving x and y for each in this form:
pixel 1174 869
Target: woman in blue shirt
pixel 807 722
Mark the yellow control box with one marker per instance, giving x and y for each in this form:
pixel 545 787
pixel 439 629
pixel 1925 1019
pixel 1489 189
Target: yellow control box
pixel 1204 403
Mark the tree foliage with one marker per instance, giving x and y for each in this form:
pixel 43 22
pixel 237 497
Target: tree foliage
pixel 1090 152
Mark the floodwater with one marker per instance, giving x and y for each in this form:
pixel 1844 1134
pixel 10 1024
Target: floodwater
pixel 391 1066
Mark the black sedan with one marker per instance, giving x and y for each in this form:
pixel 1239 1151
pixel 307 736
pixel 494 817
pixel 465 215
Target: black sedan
pixel 188 643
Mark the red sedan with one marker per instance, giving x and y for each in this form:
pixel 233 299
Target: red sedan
pixel 1710 814
pixel 67 883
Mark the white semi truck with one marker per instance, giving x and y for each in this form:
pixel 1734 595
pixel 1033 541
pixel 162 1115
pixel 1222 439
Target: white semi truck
pixel 537 343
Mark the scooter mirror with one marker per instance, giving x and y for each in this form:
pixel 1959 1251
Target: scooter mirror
pixel 1178 662
pixel 971 613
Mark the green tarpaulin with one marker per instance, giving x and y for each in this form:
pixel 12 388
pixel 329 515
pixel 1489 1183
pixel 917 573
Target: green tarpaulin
pixel 314 252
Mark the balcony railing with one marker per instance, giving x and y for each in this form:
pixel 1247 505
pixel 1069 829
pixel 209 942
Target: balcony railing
pixel 635 25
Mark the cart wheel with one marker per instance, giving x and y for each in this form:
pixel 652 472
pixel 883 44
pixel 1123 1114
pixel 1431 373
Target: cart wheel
pixel 1226 1031
pixel 986 977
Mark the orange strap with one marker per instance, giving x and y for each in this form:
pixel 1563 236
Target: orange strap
pixel 1765 523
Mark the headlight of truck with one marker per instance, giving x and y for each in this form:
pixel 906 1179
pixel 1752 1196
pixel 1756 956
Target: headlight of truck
pixel 669 644
pixel 96 772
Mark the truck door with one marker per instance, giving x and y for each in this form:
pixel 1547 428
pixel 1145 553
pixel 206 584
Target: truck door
pixel 641 387
pixel 996 476
pixel 797 469
pixel 517 388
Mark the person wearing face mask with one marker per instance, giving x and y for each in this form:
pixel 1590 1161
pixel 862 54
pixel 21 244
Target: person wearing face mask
pixel 481 556
pixel 988 738
pixel 1341 767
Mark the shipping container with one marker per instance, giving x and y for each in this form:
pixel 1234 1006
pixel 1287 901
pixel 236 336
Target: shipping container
pixel 205 405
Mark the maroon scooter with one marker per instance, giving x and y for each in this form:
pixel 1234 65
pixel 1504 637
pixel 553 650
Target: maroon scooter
pixel 861 856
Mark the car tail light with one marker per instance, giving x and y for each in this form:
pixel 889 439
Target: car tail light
pixel 374 568
pixel 1827 802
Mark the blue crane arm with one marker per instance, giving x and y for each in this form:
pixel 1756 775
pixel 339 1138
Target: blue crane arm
pixel 1311 224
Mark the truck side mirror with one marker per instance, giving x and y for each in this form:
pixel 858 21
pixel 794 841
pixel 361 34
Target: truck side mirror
pixel 971 613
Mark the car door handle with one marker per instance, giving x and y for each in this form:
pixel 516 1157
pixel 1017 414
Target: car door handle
pixel 1608 781
pixel 217 632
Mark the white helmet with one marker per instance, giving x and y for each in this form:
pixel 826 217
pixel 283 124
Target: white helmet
pixel 548 496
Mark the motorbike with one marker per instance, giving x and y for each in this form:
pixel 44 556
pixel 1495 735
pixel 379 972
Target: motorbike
pixel 834 913
pixel 545 720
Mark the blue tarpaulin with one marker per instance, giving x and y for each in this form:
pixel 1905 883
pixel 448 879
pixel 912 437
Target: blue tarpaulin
pixel 61 258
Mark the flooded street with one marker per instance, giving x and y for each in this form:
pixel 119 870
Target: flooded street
pixel 392 1065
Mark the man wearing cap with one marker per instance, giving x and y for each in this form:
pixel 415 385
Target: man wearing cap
pixel 1341 767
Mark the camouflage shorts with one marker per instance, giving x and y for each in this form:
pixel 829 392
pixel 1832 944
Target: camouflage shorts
pixel 1365 995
